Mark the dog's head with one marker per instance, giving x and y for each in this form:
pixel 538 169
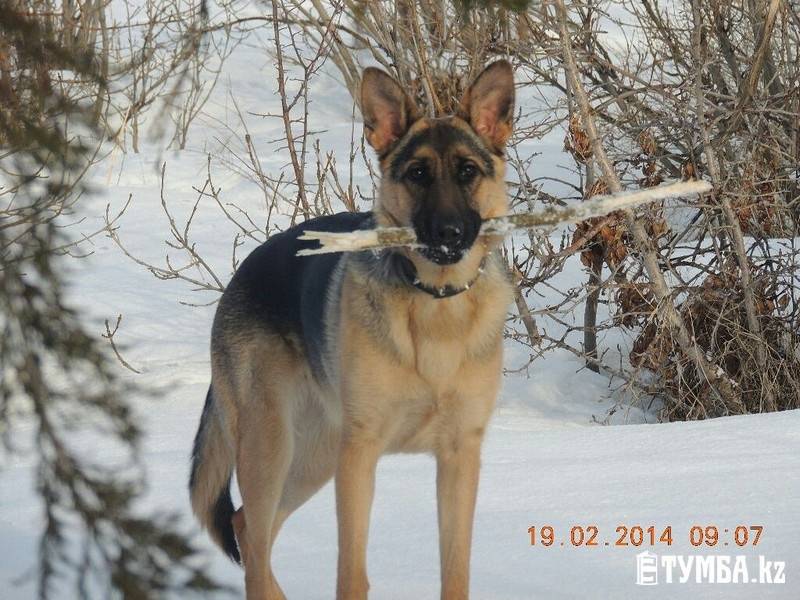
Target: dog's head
pixel 440 176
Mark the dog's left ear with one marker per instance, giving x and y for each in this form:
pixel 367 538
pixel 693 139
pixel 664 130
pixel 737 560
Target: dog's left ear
pixel 488 104
pixel 387 110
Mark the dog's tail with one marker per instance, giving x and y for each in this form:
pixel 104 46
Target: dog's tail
pixel 209 483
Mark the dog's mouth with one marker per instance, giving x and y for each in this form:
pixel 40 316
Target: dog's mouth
pixel 443 255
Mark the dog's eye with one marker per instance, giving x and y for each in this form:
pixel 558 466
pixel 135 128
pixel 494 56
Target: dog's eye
pixel 467 172
pixel 417 174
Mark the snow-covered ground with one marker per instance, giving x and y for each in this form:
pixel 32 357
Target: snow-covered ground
pixel 546 461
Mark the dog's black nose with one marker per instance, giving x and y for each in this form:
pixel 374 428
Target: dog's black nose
pixel 446 235
pixel 449 233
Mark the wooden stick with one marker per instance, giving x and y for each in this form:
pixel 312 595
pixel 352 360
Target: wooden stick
pixel 392 237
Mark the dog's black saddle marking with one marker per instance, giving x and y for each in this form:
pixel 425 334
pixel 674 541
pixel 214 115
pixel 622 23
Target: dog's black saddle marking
pixel 287 292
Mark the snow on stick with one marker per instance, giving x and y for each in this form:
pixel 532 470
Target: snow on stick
pixel 389 237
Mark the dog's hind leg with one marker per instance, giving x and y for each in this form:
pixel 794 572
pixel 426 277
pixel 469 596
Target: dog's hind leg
pixel 314 450
pixel 263 459
pixel 240 529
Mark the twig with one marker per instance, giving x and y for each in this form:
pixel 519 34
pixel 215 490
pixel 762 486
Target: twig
pixel 297 164
pixel 109 335
pixel 389 237
pixel 748 88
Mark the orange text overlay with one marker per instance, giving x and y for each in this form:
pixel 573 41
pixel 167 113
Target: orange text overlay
pixel 645 535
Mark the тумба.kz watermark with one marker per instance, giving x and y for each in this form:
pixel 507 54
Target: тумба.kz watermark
pixel 653 569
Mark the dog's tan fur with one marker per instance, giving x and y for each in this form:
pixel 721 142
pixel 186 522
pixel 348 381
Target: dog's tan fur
pixel 414 374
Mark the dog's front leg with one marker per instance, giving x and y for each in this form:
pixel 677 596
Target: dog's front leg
pixel 457 471
pixel 355 486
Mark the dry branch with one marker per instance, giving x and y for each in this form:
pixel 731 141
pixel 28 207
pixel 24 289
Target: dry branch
pixel 720 384
pixel 389 237
pixel 736 233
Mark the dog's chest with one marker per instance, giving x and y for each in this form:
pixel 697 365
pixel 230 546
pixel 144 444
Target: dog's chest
pixel 437 337
pixel 419 370
pixel 430 408
pixel 451 354
pixel 421 423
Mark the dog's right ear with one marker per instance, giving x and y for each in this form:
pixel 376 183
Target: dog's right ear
pixel 387 110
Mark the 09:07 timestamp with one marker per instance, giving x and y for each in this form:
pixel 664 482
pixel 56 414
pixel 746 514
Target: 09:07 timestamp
pixel 637 535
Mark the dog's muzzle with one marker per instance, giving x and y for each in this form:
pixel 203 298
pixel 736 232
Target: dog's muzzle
pixel 447 238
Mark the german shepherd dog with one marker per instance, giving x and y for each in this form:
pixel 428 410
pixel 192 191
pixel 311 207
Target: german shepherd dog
pixel 321 364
